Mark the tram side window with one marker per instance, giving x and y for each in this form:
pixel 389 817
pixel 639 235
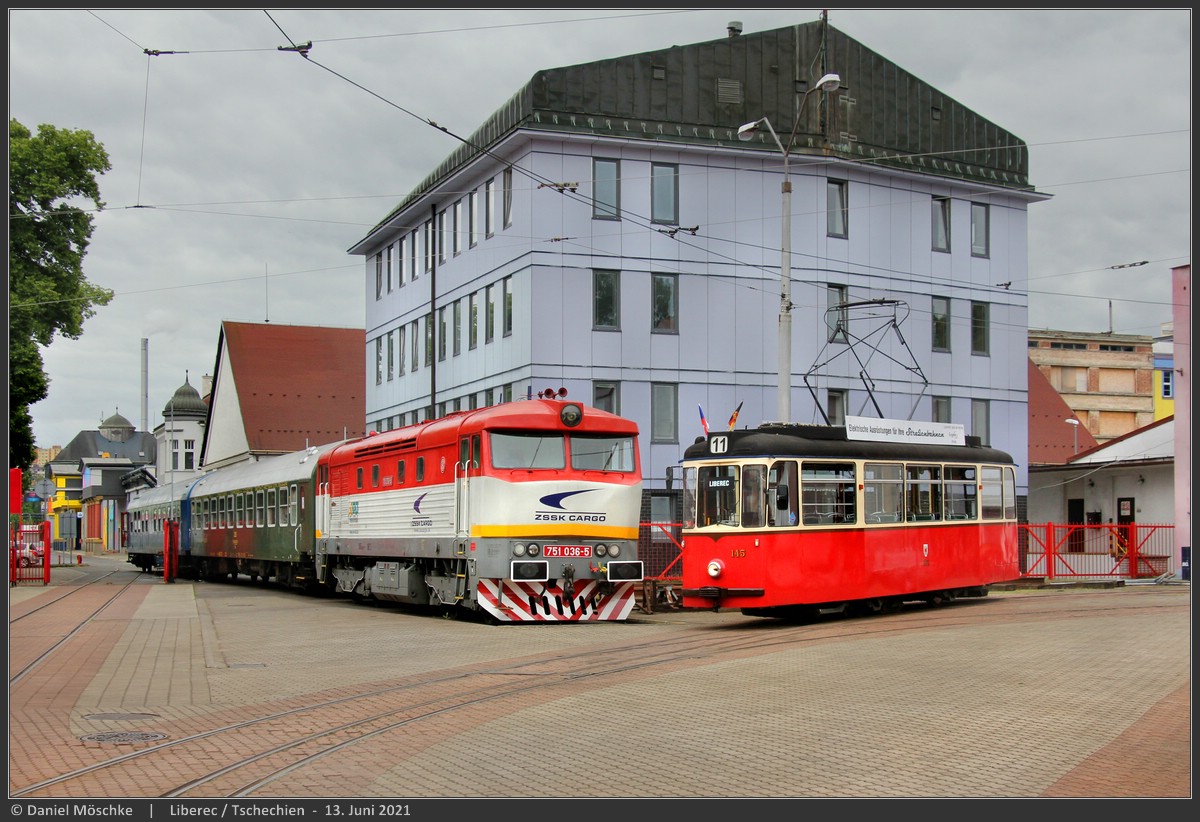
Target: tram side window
pixel 924 493
pixel 828 492
pixel 1010 493
pixel 992 503
pixel 754 496
pixel 716 495
pixel 883 492
pixel 783 489
pixel 960 485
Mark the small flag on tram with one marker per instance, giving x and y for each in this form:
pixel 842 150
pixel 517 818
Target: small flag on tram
pixel 703 420
pixel 733 419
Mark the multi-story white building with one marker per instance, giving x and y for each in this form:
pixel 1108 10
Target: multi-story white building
pixel 606 231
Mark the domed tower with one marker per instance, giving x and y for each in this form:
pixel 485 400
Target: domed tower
pixel 182 433
pixel 117 429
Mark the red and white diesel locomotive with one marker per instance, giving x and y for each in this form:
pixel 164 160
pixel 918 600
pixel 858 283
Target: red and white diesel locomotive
pixel 525 511
pixel 794 520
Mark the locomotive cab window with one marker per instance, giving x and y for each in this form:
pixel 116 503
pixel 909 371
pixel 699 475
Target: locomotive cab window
pixel 602 453
pixel 527 451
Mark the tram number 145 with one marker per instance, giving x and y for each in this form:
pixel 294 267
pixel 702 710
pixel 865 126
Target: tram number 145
pixel 737 552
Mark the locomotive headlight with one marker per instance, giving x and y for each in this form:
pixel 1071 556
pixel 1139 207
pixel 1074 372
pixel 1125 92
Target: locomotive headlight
pixel 601 550
pixel 534 550
pixel 715 567
pixel 571 415
pixel 614 550
pixel 519 549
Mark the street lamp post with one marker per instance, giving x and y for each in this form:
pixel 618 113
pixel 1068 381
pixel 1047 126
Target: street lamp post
pixel 829 82
pixel 1074 423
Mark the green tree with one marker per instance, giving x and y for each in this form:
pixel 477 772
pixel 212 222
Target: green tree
pixel 49 176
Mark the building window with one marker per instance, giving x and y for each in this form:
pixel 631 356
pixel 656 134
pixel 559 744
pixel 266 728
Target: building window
pixel 979 230
pixel 835 406
pixel 837 208
pixel 391 356
pixel 473 218
pixel 980 421
pixel 979 329
pixel 414 252
pixel 415 346
pixel 664 412
pixel 506 302
pixel 402 262
pixel 941 323
pixel 388 268
pixel 508 196
pixel 457 327
pixel 442 236
pixel 837 322
pixel 941 223
pixel 606 300
pixel 664 304
pixel 607 396
pixel 400 351
pixel 489 208
pixel 379 360
pixel 941 409
pixel 378 275
pixel 441 341
pixel 458 228
pixel 489 314
pixel 473 321
pixel 664 193
pixel 429 339
pixel 1168 384
pixel 430 244
pixel 606 189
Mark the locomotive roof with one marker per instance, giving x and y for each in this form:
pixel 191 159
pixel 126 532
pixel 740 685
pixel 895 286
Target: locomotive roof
pixel 831 442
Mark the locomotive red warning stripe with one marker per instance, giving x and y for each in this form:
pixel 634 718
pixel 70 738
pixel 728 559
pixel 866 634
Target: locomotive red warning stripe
pixel 511 601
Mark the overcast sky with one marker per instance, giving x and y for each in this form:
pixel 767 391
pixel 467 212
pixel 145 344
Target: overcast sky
pixel 242 174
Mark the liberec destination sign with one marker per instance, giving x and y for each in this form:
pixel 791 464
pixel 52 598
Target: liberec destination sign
pixel 914 431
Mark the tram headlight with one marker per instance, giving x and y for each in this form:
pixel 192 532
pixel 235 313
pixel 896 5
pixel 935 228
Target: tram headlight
pixel 715 567
pixel 519 549
pixel 534 549
pixel 601 550
pixel 614 550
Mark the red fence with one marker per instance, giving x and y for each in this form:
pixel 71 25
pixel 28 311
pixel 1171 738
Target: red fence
pixel 1073 551
pixel 1048 550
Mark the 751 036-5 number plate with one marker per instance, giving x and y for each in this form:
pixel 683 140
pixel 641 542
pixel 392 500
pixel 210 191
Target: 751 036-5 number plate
pixel 567 551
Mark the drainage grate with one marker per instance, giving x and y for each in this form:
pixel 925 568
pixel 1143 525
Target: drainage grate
pixel 121 716
pixel 122 737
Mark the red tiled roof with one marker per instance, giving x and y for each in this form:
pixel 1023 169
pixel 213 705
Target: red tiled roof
pixel 297 385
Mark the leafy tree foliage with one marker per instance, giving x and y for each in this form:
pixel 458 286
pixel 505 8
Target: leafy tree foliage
pixel 51 174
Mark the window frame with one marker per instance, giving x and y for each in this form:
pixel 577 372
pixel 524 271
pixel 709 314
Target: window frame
pixel 659 186
pixel 981 343
pixel 664 412
pixel 599 275
pixel 940 216
pixel 602 209
pixel 981 229
pixel 672 294
pixel 837 207
pixel 939 323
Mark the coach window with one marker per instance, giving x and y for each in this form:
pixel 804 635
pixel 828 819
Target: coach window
pixel 220 523
pixel 234 505
pixel 961 500
pixel 924 492
pixel 271 503
pixel 260 513
pixel 754 496
pixel 283 506
pixel 358 478
pixel 828 492
pixel 783 488
pixel 883 492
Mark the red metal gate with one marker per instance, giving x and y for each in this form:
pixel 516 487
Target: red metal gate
pixel 29 554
